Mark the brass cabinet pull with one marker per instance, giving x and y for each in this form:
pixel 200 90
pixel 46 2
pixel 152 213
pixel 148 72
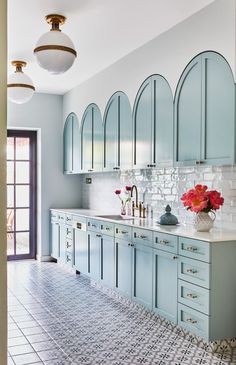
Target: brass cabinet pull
pixel 199 162
pixel 98 235
pixel 192 271
pixel 116 168
pixel 192 321
pixel 174 257
pixel 123 232
pixel 192 296
pixel 108 229
pixel 132 244
pixel 142 237
pixel 94 225
pixel 191 248
pixel 164 242
pixel 68 259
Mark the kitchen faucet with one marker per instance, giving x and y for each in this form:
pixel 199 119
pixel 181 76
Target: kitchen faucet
pixel 134 187
pixel 137 206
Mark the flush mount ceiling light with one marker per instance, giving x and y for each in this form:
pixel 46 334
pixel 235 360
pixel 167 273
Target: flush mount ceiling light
pixel 20 86
pixel 55 52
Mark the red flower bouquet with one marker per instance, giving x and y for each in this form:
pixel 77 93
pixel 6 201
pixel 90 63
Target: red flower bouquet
pixel 200 199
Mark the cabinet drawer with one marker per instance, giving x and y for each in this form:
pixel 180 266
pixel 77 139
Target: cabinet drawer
pixel 194 296
pixel 69 260
pixel 54 216
pixel 194 249
pixel 165 242
pixel 77 218
pixel 68 219
pixel 93 225
pixel 69 232
pixel 194 271
pixel 123 232
pixel 143 236
pixel 107 228
pixel 61 217
pixel 193 321
pixel 69 246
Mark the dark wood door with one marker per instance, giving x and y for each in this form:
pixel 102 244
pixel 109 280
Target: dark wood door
pixel 21 194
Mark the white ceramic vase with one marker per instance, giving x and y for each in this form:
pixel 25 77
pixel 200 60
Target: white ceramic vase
pixel 203 222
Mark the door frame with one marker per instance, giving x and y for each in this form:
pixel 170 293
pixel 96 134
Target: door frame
pixel 21 133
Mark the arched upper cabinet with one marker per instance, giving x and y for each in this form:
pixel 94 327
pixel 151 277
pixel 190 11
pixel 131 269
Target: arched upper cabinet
pixel 153 123
pixel 204 112
pixel 71 145
pixel 91 139
pixel 118 133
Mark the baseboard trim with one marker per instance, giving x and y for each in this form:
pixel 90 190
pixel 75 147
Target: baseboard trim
pixel 44 258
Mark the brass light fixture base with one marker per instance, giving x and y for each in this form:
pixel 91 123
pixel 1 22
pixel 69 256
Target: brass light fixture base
pixel 55 20
pixel 18 63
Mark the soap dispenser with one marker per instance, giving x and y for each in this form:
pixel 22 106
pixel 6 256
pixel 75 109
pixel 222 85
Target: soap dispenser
pixel 168 218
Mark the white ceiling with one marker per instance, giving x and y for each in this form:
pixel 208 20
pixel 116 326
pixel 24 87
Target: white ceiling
pixel 103 31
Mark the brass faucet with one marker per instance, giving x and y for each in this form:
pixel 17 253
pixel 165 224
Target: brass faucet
pixel 134 187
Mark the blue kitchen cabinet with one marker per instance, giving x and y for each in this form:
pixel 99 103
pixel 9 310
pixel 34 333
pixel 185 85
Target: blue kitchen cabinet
pixel 94 243
pixel 55 240
pixel 81 251
pixel 62 242
pixel 142 274
pixel 153 123
pixel 165 274
pixel 204 108
pixel 71 145
pixel 107 260
pixel 91 140
pixel 118 133
pixel 123 267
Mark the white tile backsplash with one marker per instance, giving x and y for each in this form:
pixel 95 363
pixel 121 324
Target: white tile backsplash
pixel 164 186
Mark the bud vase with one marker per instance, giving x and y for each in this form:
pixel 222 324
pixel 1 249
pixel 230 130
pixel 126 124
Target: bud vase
pixel 203 222
pixel 123 210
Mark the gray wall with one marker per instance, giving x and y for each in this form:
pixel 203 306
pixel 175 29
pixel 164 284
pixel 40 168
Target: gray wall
pixel 44 112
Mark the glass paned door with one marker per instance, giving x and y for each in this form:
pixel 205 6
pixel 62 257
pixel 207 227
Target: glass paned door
pixel 21 194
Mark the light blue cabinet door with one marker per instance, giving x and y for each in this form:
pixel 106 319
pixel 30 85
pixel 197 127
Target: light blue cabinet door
pixel 162 100
pixel 87 140
pixel 218 116
pixel 142 124
pixel 123 267
pixel 55 240
pixel 165 284
pixel 81 251
pixel 97 157
pixel 125 144
pixel 94 255
pixel 108 261
pixel 188 115
pixel 76 145
pixel 142 275
pixel 68 145
pixel 111 137
pixel 62 242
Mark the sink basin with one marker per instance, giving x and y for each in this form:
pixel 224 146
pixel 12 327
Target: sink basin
pixel 115 217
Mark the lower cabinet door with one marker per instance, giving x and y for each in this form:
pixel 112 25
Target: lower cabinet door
pixel 165 284
pixel 55 240
pixel 142 275
pixel 108 261
pixel 123 267
pixel 62 243
pixel 81 251
pixel 94 240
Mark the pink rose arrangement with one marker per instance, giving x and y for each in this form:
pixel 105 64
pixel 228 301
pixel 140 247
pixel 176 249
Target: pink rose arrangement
pixel 125 199
pixel 200 199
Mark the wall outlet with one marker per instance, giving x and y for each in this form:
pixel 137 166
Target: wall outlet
pixel 88 180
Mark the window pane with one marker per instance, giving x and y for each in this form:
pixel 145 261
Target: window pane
pixel 22 148
pixel 10 243
pixel 22 172
pixel 10 220
pixel 10 148
pixel 22 219
pixel 10 172
pixel 10 196
pixel 22 195
pixel 22 243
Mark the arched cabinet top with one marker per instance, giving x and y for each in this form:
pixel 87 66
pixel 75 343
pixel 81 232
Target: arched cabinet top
pixel 69 118
pixel 201 59
pixel 123 99
pixel 91 108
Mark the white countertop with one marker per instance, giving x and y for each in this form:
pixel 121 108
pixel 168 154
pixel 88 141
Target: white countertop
pixel 217 234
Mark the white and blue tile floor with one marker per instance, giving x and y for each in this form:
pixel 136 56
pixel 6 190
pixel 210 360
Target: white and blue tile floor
pixel 57 317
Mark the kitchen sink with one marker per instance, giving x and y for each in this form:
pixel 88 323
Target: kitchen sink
pixel 115 217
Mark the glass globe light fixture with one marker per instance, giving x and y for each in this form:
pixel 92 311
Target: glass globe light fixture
pixel 55 52
pixel 20 86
